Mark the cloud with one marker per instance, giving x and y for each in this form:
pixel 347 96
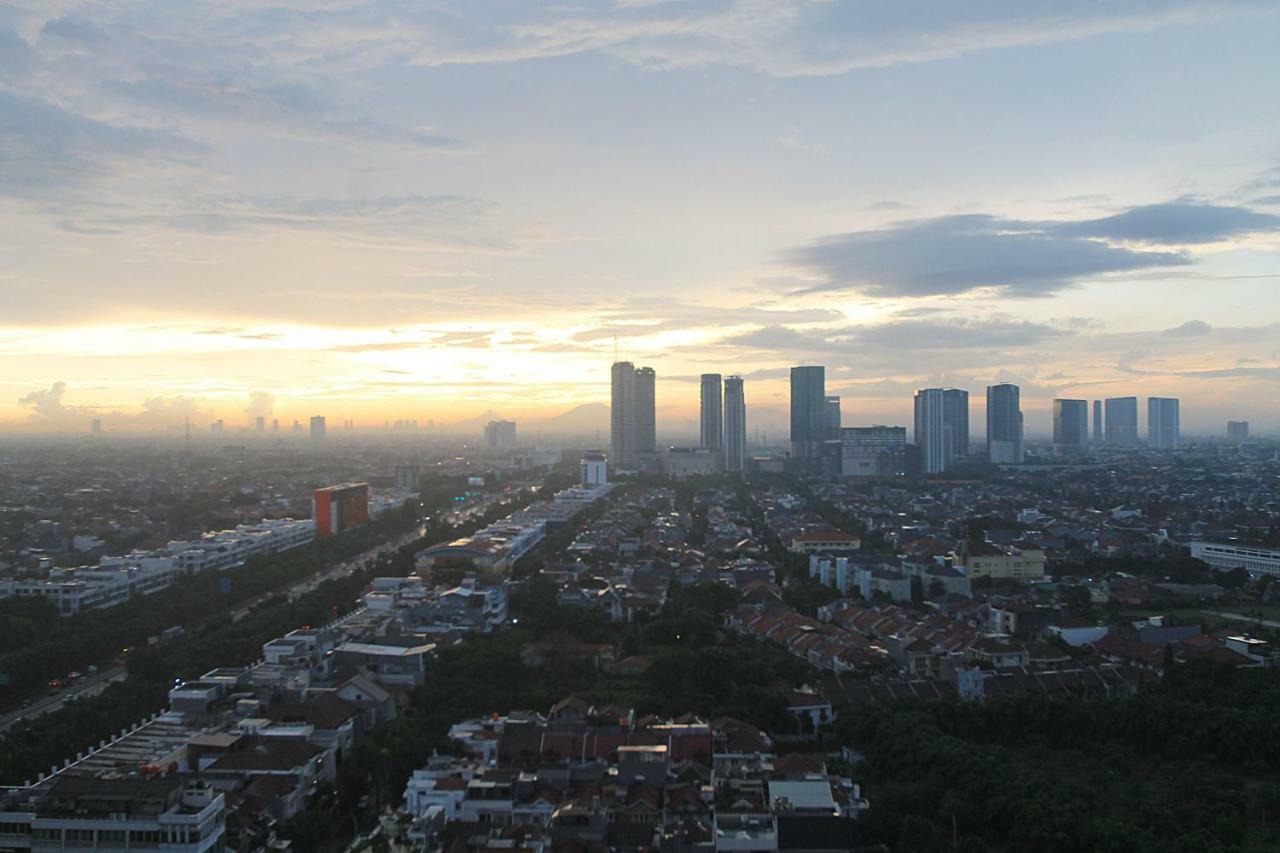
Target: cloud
pixel 47 404
pixel 645 316
pixel 1189 329
pixel 73 28
pixel 455 220
pixel 261 405
pixel 45 149
pixel 1173 224
pixel 915 335
pixel 957 254
pixel 49 410
pixel 787 38
pixel 15 54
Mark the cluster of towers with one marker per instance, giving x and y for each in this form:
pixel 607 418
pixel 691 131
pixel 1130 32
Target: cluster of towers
pixel 1115 422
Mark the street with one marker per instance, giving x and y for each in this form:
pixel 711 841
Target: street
pixel 92 685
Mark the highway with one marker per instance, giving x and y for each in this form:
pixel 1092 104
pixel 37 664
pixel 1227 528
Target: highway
pixel 92 685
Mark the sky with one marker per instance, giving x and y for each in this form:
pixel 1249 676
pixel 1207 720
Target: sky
pixel 385 209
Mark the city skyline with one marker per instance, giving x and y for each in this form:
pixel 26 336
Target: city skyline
pixel 473 217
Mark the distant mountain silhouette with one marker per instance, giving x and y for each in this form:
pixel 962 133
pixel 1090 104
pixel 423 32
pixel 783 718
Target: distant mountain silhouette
pixel 587 418
pixel 472 426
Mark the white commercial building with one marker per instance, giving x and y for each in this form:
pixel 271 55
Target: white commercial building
pixel 1226 556
pixel 116 579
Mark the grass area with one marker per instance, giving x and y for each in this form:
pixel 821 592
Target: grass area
pixel 1269 612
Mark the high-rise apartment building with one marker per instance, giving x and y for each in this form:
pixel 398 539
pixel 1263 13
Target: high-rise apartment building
pixel 632 422
pixel 1098 436
pixel 1238 430
pixel 955 417
pixel 831 411
pixel 622 420
pixel 317 427
pixel 500 435
pixel 406 477
pixel 735 425
pixel 808 414
pixel 711 422
pixel 646 411
pixel 1070 424
pixel 932 437
pixel 260 424
pixel 874 451
pixel 1164 422
pixel 1004 424
pixel 1122 421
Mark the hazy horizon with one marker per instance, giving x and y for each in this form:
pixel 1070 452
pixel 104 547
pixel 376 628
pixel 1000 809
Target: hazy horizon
pixel 372 210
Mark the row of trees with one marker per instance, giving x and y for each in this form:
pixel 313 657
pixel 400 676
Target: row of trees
pixel 33 652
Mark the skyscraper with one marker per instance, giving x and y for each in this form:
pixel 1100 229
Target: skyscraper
pixel 1238 430
pixel 1071 424
pixel 260 423
pixel 735 425
pixel 711 423
pixel 1122 421
pixel 808 414
pixel 646 413
pixel 955 418
pixel 831 412
pixel 932 437
pixel 622 420
pixel 1163 422
pixel 500 435
pixel 1004 424
pixel 632 422
pixel 317 427
pixel 1098 437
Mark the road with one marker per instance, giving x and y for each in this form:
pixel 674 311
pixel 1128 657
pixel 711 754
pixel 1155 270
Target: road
pixel 92 685
pixel 360 561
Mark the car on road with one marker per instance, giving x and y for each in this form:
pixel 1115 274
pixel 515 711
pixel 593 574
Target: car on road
pixel 55 684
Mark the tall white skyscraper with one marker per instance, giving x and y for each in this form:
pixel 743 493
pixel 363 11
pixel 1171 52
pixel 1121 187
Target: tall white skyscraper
pixel 735 425
pixel 1164 422
pixel 631 422
pixel 711 422
pixel 932 438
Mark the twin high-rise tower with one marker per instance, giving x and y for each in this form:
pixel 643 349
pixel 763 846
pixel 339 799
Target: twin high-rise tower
pixel 723 422
pixel 632 422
